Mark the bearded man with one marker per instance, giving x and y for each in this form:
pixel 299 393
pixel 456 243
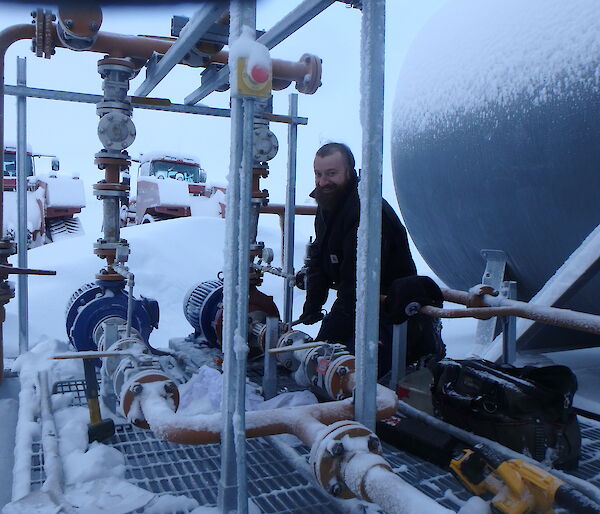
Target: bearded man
pixel 333 265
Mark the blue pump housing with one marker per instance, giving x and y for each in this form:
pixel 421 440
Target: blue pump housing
pixel 93 303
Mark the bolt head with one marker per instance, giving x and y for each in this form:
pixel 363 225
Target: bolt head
pixel 373 444
pixel 136 388
pixel 342 370
pixel 335 489
pixel 336 449
pixel 69 23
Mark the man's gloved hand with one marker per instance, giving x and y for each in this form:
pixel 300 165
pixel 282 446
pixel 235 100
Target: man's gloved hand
pixel 407 290
pixel 310 317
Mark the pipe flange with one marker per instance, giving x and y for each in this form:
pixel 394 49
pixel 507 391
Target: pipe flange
pixel 116 131
pixel 112 157
pixel 335 446
pixel 338 375
pixel 78 26
pixel 7 248
pixel 107 106
pixel 312 78
pixel 134 388
pixel 108 276
pixel 265 144
pixel 108 190
pixel 291 338
pixel 101 244
pixel 113 64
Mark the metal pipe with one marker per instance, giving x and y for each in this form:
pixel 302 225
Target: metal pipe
pixel 300 421
pixel 52 462
pixel 143 47
pixel 389 491
pixel 290 212
pixel 111 220
pixel 151 104
pixel 232 494
pixel 22 207
pixel 368 265
pixel 228 480
pixel 270 368
pixel 500 306
pixel 7 37
pixel 241 344
pixel 130 283
pixel 399 345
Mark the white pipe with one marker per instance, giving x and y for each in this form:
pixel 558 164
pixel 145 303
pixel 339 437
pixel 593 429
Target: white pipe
pixel 52 462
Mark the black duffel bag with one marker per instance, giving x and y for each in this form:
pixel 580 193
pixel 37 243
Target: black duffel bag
pixel 528 409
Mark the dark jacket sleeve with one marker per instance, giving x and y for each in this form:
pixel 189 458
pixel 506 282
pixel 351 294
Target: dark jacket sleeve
pixel 317 290
pixel 338 325
pixel 317 283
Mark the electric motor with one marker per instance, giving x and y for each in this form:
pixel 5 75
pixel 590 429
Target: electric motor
pixel 95 303
pixel 201 307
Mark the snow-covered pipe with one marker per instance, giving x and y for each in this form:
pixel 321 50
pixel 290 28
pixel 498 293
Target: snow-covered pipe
pixel 389 491
pixel 484 306
pixel 304 421
pixel 52 461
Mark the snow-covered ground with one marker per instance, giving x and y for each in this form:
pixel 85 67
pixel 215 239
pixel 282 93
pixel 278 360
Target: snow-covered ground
pixel 167 258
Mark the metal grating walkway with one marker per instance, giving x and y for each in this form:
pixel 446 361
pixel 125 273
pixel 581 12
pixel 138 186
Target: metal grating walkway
pixel 159 466
pixel 274 485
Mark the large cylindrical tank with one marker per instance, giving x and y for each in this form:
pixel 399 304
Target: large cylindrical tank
pixel 496 142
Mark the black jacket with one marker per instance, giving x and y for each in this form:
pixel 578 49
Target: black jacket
pixel 334 264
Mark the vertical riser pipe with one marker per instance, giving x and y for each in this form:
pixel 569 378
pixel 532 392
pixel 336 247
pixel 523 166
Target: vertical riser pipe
pixel 369 231
pixel 22 206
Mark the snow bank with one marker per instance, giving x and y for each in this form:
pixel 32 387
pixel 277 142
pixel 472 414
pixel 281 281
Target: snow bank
pixel 474 54
pixel 167 258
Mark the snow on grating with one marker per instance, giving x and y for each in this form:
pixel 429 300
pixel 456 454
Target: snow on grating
pixel 159 466
pixel 274 485
pixel 589 463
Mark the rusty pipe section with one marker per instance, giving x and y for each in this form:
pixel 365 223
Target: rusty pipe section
pixel 306 72
pixel 346 457
pixel 304 421
pixel 482 304
pixel 8 36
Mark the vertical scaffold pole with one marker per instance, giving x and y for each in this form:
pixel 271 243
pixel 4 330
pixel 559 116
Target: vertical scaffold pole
pixel 232 486
pixel 22 169
pixel 369 231
pixel 290 212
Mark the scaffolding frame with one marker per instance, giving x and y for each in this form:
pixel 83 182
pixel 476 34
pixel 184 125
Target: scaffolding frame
pixel 232 488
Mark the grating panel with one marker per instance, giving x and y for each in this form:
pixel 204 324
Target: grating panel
pixel 273 483
pixel 77 387
pixel 589 463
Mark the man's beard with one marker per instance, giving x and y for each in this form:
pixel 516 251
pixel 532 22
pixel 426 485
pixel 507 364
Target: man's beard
pixel 329 197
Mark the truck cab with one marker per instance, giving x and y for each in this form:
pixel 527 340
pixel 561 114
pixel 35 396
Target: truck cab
pixel 52 200
pixel 168 185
